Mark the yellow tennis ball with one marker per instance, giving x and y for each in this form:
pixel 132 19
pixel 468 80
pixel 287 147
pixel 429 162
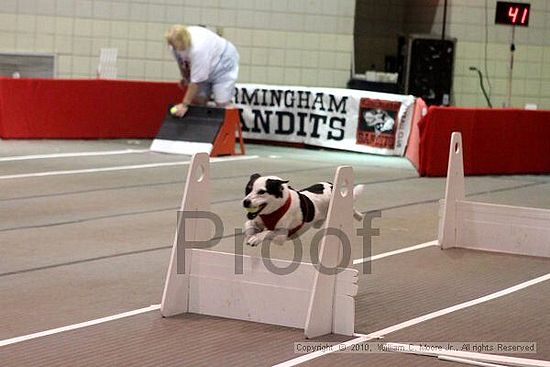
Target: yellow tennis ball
pixel 173 110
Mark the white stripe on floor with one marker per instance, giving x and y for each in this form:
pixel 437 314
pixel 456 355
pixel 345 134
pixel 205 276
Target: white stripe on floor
pixel 396 252
pixel 74 154
pixel 78 326
pixel 121 168
pixel 417 320
pixel 472 358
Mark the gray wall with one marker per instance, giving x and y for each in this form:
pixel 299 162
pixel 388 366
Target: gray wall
pixel 297 42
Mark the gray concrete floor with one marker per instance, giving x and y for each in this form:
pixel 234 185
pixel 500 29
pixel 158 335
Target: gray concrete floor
pixel 81 246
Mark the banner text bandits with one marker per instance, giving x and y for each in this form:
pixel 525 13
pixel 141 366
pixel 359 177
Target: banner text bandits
pixel 289 123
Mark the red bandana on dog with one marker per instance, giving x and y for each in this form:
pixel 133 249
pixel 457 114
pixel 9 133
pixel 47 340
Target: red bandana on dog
pixel 270 220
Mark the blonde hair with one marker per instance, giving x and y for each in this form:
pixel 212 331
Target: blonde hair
pixel 178 36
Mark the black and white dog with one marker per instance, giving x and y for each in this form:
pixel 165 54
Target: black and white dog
pixel 277 212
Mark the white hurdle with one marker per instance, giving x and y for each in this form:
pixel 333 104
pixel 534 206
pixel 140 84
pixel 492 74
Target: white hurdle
pixel 305 298
pixel 488 227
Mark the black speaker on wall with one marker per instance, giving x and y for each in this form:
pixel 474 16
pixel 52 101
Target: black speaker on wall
pixel 430 64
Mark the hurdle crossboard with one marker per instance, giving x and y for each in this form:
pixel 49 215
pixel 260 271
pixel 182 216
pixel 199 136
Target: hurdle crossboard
pixel 484 226
pixel 257 294
pixel 304 298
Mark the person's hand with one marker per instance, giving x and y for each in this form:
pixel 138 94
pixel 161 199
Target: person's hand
pixel 181 109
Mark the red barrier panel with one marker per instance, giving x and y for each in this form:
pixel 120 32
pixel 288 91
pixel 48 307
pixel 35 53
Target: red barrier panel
pixel 496 141
pixel 83 108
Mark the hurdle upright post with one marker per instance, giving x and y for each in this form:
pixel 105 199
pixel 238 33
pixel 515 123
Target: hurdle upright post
pixel 454 192
pixel 175 298
pixel 323 317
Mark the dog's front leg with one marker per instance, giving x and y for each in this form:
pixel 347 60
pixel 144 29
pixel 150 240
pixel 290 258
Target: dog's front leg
pixel 250 229
pixel 278 237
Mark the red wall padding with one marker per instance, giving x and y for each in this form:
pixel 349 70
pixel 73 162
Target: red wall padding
pixel 495 141
pixel 74 108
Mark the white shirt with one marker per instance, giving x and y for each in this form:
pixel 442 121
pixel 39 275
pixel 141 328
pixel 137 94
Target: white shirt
pixel 204 53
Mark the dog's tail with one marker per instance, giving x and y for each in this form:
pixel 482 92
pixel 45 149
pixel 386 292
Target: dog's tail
pixel 357 191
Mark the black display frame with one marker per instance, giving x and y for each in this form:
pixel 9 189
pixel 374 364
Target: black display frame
pixel 522 12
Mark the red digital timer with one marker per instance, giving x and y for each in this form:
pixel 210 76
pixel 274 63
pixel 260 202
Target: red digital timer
pixel 512 13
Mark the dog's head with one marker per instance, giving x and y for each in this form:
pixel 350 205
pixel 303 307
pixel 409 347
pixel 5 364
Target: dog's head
pixel 264 194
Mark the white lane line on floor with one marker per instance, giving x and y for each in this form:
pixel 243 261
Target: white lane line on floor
pixel 121 168
pixel 472 358
pixel 141 310
pixel 19 339
pixel 470 362
pixel 417 320
pixel 396 252
pixel 73 154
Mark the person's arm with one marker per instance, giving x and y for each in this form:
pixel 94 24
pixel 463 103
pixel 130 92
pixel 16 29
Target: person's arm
pixel 185 74
pixel 183 67
pixel 192 89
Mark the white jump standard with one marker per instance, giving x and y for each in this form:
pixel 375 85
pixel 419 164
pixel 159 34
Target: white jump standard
pixel 488 227
pixel 305 298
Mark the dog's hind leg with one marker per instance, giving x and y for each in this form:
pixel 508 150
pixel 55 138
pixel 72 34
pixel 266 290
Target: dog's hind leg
pixel 319 223
pixel 357 191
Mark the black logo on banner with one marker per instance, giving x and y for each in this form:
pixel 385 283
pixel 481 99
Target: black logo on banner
pixel 378 122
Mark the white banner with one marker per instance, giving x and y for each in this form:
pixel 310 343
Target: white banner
pixel 346 119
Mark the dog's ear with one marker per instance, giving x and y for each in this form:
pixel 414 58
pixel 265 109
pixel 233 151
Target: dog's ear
pixel 275 187
pixel 253 179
